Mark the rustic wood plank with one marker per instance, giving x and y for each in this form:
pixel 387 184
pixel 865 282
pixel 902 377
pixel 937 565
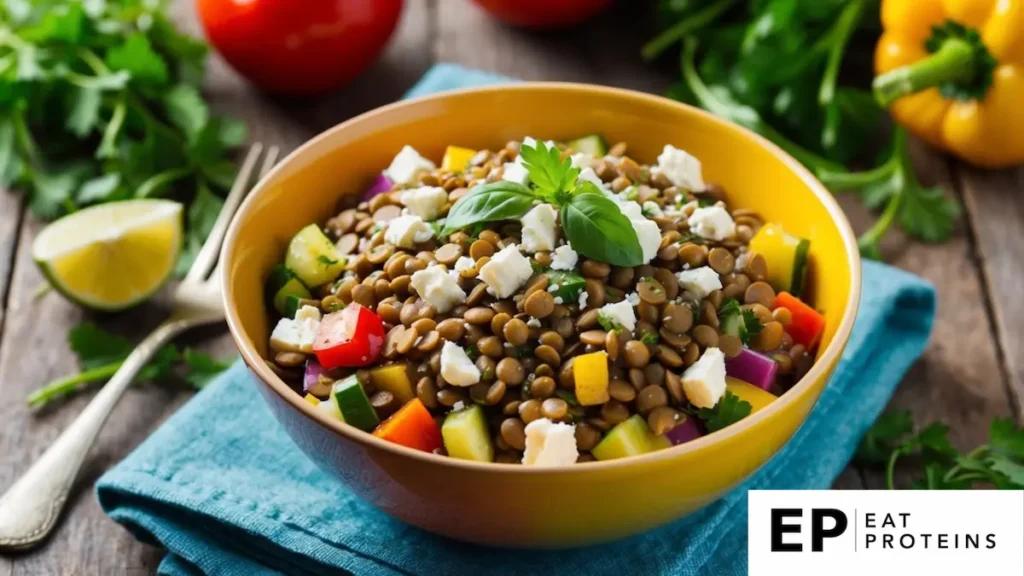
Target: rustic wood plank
pixel 958 380
pixel 993 204
pixel 11 210
pixel 33 350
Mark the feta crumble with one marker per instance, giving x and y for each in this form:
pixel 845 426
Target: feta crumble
pixel 564 258
pixel 516 172
pixel 406 165
pixel 704 381
pixel 464 263
pixel 583 299
pixel 620 314
pixel 700 281
pixel 713 222
pixel 539 228
pixel 407 231
pixel 550 444
pixel 681 168
pixel 456 367
pixel 427 202
pixel 298 334
pixel 581 160
pixel 437 288
pixel 506 272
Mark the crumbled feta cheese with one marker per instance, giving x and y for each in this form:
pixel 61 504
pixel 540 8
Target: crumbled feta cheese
pixel 564 258
pixel 581 160
pixel 507 271
pixel 532 142
pixel 406 165
pixel 633 298
pixel 553 288
pixel 454 275
pixel 742 260
pixel 713 222
pixel 681 168
pixel 458 406
pixel 583 299
pixel 588 175
pixel 558 300
pixel 700 281
pixel 620 314
pixel 407 231
pixel 704 381
pixel 427 202
pixel 533 323
pixel 539 228
pixel 464 263
pixel 516 172
pixel 298 334
pixel 652 210
pixel 550 444
pixel 437 288
pixel 456 367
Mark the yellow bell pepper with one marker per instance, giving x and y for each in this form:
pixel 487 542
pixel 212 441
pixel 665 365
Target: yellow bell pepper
pixel 952 72
pixel 393 378
pixel 456 159
pixel 756 396
pixel 590 371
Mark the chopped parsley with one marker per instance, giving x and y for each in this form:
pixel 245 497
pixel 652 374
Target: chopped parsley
pixel 739 322
pixel 325 260
pixel 650 338
pixel 729 410
pixel 607 324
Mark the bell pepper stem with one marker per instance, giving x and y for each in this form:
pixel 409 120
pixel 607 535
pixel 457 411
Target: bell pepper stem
pixel 954 61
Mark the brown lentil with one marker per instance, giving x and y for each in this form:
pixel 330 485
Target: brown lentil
pixel 649 398
pixel 511 371
pixel 450 395
pixel 587 437
pixel 554 408
pixel 614 412
pixel 621 390
pixel 529 410
pixel 513 431
pixel 490 346
pixel 760 293
pixel 448 254
pixel 451 329
pixel 782 316
pixel 516 332
pixel 705 335
pixel 731 345
pixel 721 260
pixel 668 357
pixel 611 345
pixel 662 419
pixel 427 392
pixel 479 315
pixel 674 387
pixel 636 354
pixel 540 304
pixel 548 355
pixel 428 341
pixel 770 337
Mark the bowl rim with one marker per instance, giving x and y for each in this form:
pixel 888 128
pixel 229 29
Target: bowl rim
pixel 267 377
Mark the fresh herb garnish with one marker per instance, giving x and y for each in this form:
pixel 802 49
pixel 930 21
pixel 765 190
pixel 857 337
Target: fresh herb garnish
pixel 592 223
pixel 100 103
pixel 568 395
pixel 607 324
pixel 325 260
pixel 739 322
pixel 101 353
pixel 650 338
pixel 999 463
pixel 729 410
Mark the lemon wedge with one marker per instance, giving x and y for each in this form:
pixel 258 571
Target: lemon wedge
pixel 111 256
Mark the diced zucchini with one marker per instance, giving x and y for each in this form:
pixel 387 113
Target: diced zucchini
pixel 785 255
pixel 465 435
pixel 570 284
pixel 281 284
pixel 353 404
pixel 593 144
pixel 313 257
pixel 630 437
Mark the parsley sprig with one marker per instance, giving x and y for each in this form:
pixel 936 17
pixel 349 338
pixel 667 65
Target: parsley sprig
pixel 739 322
pixel 100 102
pixel 592 222
pixel 999 463
pixel 729 410
pixel 101 353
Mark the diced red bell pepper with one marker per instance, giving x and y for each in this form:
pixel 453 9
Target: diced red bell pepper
pixel 807 324
pixel 411 426
pixel 349 338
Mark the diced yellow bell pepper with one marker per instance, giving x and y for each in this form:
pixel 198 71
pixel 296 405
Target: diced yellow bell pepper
pixel 395 379
pixel 785 255
pixel 758 397
pixel 312 399
pixel 456 159
pixel 590 371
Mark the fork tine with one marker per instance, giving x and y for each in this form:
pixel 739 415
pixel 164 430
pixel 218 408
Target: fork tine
pixel 268 161
pixel 207 255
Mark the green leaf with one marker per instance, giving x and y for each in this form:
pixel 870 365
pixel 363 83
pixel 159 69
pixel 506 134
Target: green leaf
pixel 84 111
pixel 548 172
pixel 231 133
pixel 928 214
pixel 882 438
pixel 729 410
pixel 10 163
pixel 99 189
pixel 186 109
pixel 202 368
pixel 137 57
pixel 491 202
pixel 650 338
pixel 597 229
pixel 95 346
pixel 160 366
pixel 202 215
pixel 1006 439
pixel 933 440
pixel 221 174
pixel 61 24
pixel 1013 471
pixel 52 191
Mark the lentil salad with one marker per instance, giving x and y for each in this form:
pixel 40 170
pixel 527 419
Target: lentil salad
pixel 544 304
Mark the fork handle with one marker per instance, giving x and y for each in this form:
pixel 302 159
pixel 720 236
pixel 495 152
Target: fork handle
pixel 30 508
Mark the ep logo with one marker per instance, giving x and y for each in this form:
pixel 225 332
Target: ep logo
pixel 821 523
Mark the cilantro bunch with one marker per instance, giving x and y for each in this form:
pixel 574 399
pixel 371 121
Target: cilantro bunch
pixel 592 222
pixel 100 102
pixel 999 463
pixel 100 354
pixel 798 72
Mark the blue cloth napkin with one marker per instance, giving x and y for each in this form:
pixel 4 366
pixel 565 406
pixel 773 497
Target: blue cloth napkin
pixel 222 487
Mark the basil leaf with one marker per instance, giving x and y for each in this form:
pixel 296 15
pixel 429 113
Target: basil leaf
pixel 597 229
pixel 489 203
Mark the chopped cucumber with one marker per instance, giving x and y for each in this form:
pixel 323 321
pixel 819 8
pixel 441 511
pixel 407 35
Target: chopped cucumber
pixel 800 267
pixel 786 256
pixel 630 437
pixel 281 284
pixel 569 284
pixel 593 144
pixel 313 257
pixel 353 404
pixel 465 435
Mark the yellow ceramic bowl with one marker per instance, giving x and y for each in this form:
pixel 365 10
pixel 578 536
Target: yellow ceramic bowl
pixel 515 505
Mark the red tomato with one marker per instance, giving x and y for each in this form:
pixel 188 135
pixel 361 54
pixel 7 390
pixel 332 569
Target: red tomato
pixel 543 13
pixel 299 46
pixel 349 338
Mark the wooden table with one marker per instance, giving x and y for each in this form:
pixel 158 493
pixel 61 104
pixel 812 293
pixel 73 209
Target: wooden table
pixel 970 373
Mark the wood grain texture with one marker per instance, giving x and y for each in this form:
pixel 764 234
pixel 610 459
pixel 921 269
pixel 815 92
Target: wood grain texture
pixel 11 210
pixel 993 204
pixel 958 379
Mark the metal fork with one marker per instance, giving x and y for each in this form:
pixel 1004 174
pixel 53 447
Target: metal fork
pixel 30 508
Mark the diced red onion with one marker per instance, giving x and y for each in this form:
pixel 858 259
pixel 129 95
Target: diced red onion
pixel 311 379
pixel 684 431
pixel 754 368
pixel 380 184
